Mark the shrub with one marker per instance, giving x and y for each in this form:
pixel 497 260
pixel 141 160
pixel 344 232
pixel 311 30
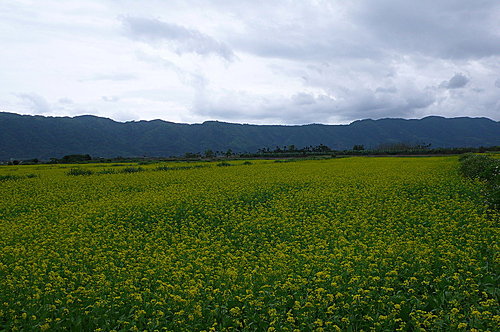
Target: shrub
pixel 75 158
pixel 222 164
pixel 486 169
pixel 132 169
pixel 17 177
pixel 465 156
pixel 479 167
pixel 79 171
pixel 9 177
pixel 247 163
pixel 177 168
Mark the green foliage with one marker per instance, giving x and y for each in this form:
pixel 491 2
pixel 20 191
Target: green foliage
pixel 79 171
pixel 479 167
pixel 223 164
pixel 247 163
pixel 146 162
pixel 209 154
pixel 402 147
pixel 9 177
pixel 75 158
pixel 163 168
pixel 17 177
pixel 176 168
pixel 190 155
pixel 484 168
pixel 132 170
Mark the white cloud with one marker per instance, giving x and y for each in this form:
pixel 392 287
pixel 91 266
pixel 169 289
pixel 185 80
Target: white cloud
pixel 37 104
pixel 65 101
pixel 111 77
pixel 111 99
pixel 182 39
pixel 251 61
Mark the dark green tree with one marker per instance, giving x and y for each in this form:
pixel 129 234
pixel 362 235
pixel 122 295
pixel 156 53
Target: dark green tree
pixel 209 154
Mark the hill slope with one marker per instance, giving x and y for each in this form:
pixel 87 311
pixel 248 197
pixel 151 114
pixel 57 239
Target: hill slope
pixel 24 136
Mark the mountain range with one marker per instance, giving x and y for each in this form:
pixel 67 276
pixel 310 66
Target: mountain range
pixel 27 136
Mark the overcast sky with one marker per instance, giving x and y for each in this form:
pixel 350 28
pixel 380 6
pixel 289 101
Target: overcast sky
pixel 263 62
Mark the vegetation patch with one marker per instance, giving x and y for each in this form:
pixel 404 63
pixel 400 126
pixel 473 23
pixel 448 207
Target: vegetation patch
pixel 132 170
pixel 9 177
pixel 485 169
pixel 17 177
pixel 79 171
pixel 285 160
pixel 176 168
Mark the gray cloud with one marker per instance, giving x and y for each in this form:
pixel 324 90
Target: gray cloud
pixel 35 102
pixel 190 78
pixel 497 83
pixel 370 29
pixel 457 81
pixel 386 90
pixel 305 107
pixel 301 99
pixel 183 40
pixel 365 103
pixel 446 29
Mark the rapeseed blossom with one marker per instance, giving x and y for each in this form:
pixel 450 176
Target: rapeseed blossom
pixel 342 244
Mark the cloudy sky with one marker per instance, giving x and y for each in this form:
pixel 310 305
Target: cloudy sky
pixel 263 62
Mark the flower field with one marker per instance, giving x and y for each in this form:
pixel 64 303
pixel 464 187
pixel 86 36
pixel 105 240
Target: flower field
pixel 344 244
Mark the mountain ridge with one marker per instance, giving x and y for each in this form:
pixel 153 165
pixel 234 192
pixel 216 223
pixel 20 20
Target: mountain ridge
pixel 36 136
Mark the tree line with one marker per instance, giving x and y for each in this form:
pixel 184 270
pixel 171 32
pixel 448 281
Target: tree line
pixel 284 151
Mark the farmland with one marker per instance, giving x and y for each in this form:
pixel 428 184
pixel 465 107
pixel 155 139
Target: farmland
pixel 340 244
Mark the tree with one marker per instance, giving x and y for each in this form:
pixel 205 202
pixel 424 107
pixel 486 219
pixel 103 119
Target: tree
pixel 209 154
pixel 190 155
pixel 321 148
pixel 75 158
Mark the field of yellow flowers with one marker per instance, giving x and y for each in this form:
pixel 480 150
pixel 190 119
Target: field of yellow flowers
pixel 344 244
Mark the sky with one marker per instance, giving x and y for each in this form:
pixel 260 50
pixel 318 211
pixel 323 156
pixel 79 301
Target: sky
pixel 260 62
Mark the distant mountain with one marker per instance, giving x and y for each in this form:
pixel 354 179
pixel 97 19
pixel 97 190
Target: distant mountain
pixel 25 136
